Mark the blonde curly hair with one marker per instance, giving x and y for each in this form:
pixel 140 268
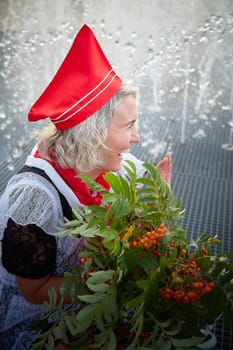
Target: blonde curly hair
pixel 79 147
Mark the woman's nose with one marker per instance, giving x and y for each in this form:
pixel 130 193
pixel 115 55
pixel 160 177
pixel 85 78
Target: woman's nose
pixel 135 136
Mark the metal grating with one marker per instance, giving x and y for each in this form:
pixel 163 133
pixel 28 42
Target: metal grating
pixel 203 179
pixel 209 205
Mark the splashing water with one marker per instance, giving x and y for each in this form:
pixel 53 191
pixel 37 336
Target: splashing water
pixel 183 70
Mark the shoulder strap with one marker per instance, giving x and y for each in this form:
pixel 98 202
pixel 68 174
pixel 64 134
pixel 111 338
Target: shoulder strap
pixel 67 211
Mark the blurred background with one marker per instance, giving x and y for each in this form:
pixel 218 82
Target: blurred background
pixel 180 55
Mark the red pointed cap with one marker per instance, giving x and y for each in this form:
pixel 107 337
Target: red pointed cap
pixel 84 82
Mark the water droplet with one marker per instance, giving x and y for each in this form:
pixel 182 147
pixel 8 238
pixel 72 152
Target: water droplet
pixel 10 167
pixel 211 102
pixel 17 152
pixel 203 117
pixel 3 126
pixel 231 124
pixel 203 39
pixel 227 146
pixel 199 134
pixel 2 115
pixel 176 89
pixel 226 107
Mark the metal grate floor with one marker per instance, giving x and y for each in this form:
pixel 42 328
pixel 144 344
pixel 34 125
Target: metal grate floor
pixel 203 179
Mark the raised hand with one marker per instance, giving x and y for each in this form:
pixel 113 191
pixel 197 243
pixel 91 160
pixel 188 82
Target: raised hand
pixel 165 168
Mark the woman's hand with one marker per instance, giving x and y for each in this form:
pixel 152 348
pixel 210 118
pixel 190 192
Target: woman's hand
pixel 35 291
pixel 165 168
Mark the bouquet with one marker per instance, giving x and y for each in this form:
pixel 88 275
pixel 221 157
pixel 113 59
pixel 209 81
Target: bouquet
pixel 142 284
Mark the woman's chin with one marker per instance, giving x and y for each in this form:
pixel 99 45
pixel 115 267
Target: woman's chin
pixel 113 163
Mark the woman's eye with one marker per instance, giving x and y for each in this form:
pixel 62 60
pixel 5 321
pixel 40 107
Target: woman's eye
pixel 130 125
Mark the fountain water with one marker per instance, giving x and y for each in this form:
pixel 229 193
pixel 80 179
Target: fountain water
pixel 184 74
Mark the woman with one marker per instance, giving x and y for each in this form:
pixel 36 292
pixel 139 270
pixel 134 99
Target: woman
pixel 94 119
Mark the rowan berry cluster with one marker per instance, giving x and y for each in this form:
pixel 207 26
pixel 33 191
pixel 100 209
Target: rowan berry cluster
pixel 189 268
pixel 184 283
pixel 150 238
pixel 187 296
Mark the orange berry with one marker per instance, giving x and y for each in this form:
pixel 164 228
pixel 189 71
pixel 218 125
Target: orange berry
pixel 83 260
pixel 204 251
pixel 91 268
pixel 163 226
pixel 206 290
pixel 211 284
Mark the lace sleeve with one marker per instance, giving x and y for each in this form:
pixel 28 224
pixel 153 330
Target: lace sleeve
pixel 27 251
pixel 31 199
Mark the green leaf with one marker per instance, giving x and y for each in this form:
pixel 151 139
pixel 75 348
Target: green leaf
pixel 166 323
pixel 68 286
pixel 60 331
pixel 106 308
pixel 163 262
pixel 111 344
pixel 147 262
pixel 80 343
pixel 137 320
pixel 38 345
pixel 226 277
pixel 99 317
pixel 131 171
pixel 91 299
pixel 187 342
pixel 109 234
pixel 119 208
pixel 143 284
pixel 52 297
pixel 113 301
pixel 92 184
pixel 85 318
pixel 100 287
pixel 84 231
pixel 113 181
pixel 135 301
pixel 71 323
pixel 78 215
pixel 153 171
pixel 147 182
pixel 106 340
pixel 175 330
pixel 215 308
pixel 101 276
pixel 165 344
pixel 98 262
pixel 148 198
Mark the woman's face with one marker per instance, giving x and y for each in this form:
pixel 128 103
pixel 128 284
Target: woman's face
pixel 122 132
